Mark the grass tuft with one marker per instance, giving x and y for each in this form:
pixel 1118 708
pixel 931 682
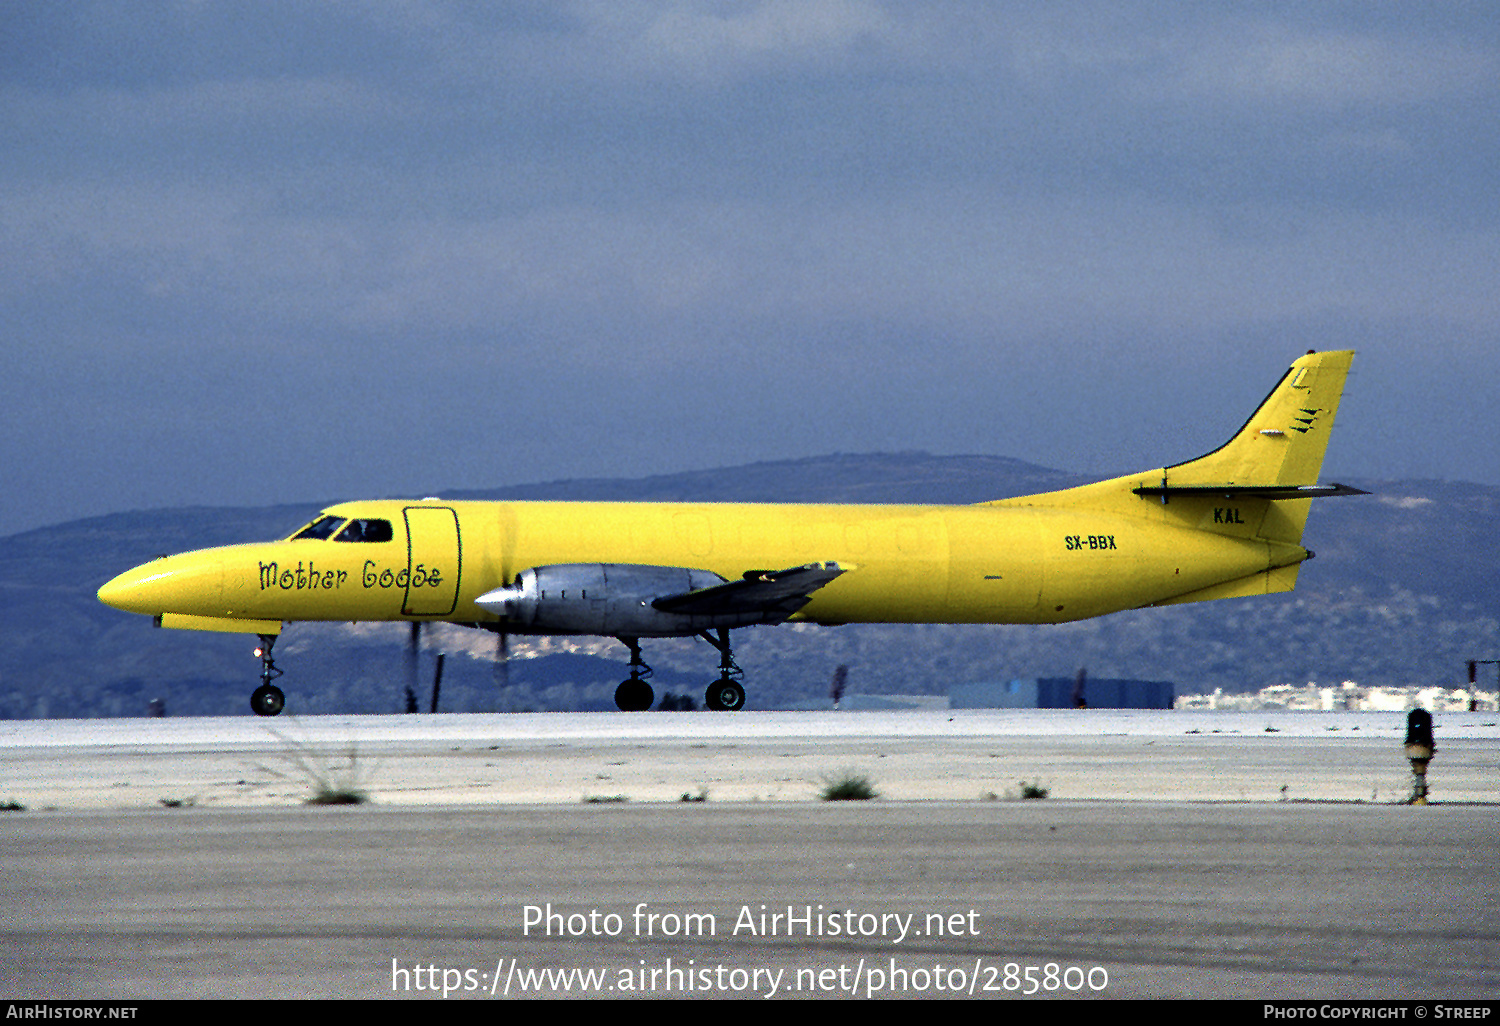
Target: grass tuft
pixel 1020 793
pixel 337 794
pixel 328 783
pixel 848 787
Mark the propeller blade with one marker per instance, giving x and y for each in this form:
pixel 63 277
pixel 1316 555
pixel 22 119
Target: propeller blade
pixel 502 660
pixel 413 653
pixel 437 681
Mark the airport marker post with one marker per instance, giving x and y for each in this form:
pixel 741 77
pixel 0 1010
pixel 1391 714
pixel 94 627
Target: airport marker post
pixel 1419 749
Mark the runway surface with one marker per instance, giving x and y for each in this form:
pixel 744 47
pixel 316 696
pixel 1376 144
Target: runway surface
pixel 753 756
pixel 1167 861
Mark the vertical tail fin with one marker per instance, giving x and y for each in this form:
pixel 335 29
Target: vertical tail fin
pixel 1270 466
pixel 1284 440
pixel 1279 451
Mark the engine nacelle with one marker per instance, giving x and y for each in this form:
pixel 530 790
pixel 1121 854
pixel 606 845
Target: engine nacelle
pixel 608 599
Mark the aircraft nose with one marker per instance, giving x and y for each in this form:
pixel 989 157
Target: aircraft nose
pixel 166 585
pixel 137 590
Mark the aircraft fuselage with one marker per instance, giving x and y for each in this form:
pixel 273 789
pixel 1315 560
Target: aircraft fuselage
pixel 908 564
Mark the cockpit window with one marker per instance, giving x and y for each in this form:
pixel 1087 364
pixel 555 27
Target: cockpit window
pixel 321 528
pixel 366 531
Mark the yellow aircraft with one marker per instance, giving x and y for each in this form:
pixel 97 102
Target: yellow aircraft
pixel 1224 525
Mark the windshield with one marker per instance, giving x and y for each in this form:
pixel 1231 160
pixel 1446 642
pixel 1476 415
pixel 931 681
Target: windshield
pixel 320 528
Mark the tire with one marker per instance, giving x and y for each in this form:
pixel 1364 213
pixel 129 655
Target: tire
pixel 267 700
pixel 725 696
pixel 634 695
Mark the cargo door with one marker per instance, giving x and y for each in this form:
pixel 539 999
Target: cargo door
pixel 434 559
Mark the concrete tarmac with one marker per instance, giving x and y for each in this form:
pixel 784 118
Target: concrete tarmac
pixel 750 756
pixel 1317 897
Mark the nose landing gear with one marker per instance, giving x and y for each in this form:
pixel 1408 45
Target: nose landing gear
pixel 267 700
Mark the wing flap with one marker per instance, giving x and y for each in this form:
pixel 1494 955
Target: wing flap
pixel 769 592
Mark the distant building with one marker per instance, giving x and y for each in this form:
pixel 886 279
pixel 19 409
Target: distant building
pixel 1058 693
pixel 1346 696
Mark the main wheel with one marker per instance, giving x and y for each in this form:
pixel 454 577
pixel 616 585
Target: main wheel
pixel 267 700
pixel 725 696
pixel 634 695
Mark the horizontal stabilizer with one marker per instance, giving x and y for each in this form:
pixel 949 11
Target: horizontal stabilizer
pixel 764 591
pixel 1252 491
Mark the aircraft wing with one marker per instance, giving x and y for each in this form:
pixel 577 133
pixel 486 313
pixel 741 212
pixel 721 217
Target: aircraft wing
pixel 769 592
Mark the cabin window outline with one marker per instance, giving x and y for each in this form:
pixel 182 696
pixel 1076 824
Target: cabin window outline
pixel 366 530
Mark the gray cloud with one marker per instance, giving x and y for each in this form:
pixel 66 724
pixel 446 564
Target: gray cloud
pixel 641 237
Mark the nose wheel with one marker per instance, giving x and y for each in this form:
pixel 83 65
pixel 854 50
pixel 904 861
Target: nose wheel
pixel 268 699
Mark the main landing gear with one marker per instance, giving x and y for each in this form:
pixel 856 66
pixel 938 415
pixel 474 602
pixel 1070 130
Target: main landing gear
pixel 267 700
pixel 635 695
pixel 724 695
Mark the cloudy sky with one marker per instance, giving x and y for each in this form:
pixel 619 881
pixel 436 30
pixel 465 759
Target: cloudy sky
pixel 290 251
